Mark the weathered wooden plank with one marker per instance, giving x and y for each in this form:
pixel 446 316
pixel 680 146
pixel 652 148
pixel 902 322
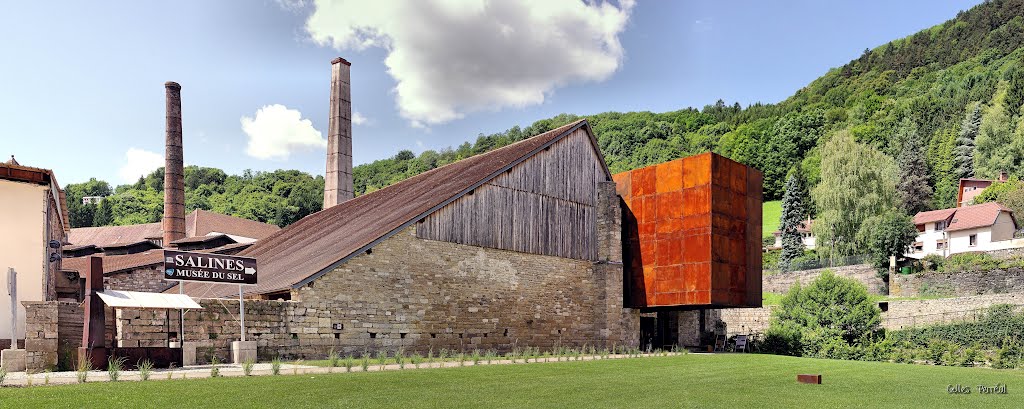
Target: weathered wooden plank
pixel 544 205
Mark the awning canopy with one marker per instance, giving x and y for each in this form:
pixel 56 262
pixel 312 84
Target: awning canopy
pixel 134 299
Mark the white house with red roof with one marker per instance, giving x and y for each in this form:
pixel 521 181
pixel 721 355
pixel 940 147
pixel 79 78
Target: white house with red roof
pixel 983 227
pixel 806 235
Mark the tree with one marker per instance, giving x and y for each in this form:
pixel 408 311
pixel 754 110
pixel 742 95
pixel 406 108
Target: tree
pixel 831 308
pixel 887 235
pixel 963 154
pixel 857 182
pixel 995 151
pixel 104 215
pixel 792 215
pixel 915 193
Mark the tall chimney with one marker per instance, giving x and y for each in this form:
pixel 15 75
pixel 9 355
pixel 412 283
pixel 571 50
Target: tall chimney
pixel 338 179
pixel 174 173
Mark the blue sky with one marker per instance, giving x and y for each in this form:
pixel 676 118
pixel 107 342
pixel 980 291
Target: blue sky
pixel 81 86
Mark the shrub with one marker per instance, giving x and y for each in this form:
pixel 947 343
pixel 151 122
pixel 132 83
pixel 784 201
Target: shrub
pixel 3 374
pixel 145 369
pixel 970 262
pixel 881 351
pixel 365 364
pixel 349 362
pixel 84 366
pixel 214 367
pixel 416 359
pixel 1009 355
pixel 332 359
pixel 114 367
pixel 988 331
pixel 275 366
pixel 400 358
pixel 247 366
pixel 933 262
pixel 382 358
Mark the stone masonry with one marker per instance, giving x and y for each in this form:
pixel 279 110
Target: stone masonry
pixel 896 314
pixel 963 283
pixel 146 279
pixel 863 273
pixel 53 331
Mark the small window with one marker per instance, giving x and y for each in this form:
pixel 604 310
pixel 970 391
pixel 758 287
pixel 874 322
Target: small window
pixel 940 225
pixel 974 240
pixel 940 245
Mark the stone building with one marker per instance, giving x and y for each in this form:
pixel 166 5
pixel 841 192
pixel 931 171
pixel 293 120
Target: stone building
pixel 518 246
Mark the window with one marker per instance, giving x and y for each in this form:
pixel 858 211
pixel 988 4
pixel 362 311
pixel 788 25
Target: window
pixel 940 225
pixel 974 240
pixel 940 245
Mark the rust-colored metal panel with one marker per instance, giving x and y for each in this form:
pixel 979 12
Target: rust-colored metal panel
pixel 692 233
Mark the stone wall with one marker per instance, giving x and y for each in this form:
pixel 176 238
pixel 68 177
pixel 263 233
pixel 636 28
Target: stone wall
pixel 895 314
pixel 903 314
pixel 746 320
pixel 422 294
pixel 964 283
pixel 148 279
pixel 53 333
pixel 863 273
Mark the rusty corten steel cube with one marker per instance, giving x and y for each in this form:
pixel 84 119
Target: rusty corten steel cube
pixel 692 233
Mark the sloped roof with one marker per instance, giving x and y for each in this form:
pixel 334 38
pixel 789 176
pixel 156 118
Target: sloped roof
pixel 804 227
pixel 114 264
pixel 202 239
pixel 933 216
pixel 321 241
pixel 982 215
pixel 198 223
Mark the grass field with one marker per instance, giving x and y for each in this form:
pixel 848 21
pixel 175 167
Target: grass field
pixel 693 380
pixel 770 214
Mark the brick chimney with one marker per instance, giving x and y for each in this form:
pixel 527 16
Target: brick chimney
pixel 174 173
pixel 338 178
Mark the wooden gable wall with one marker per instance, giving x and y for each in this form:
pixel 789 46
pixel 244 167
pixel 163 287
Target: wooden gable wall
pixel 544 205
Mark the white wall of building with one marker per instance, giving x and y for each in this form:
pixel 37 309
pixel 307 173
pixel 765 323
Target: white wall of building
pixel 998 236
pixel 22 246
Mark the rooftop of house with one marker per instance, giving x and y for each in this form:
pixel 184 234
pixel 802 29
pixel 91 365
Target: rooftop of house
pixel 321 241
pixel 966 217
pixel 804 227
pixel 198 223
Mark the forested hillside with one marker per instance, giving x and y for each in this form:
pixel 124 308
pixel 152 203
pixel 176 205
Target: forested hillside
pixel 955 90
pixel 933 78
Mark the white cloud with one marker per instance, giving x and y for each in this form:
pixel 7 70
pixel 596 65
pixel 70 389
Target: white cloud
pixel 277 131
pixel 139 162
pixel 294 6
pixel 453 57
pixel 358 119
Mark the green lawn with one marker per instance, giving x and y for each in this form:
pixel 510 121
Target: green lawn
pixel 770 214
pixel 694 380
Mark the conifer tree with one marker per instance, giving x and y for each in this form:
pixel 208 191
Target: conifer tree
pixel 104 215
pixel 963 154
pixel 792 215
pixel 914 191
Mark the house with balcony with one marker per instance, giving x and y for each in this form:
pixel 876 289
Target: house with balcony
pixel 982 227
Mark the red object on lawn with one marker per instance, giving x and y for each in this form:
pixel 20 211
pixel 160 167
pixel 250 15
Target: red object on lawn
pixel 813 379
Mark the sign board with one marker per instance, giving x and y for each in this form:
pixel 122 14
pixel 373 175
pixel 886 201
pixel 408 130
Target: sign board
pixel 207 267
